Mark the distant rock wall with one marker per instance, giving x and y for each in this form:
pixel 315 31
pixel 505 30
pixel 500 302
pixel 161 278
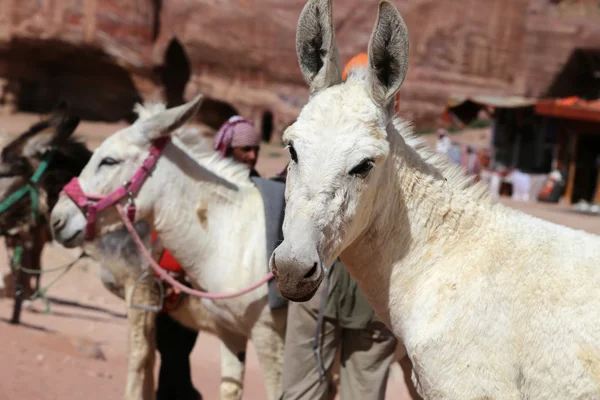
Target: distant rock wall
pixel 95 54
pixel 105 54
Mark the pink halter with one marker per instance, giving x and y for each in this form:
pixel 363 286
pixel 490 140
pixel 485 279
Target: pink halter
pixel 91 205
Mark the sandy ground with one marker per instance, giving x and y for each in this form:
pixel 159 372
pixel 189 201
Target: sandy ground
pixel 78 350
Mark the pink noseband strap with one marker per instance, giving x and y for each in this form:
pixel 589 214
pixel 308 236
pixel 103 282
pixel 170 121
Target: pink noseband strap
pixel 91 205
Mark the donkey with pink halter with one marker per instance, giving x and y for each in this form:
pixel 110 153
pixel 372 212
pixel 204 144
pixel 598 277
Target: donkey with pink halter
pixel 198 180
pixel 91 205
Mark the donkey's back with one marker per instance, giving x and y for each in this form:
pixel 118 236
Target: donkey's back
pixel 557 307
pixel 546 281
pixel 515 314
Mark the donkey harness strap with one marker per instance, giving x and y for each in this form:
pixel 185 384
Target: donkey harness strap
pixel 93 204
pixel 29 188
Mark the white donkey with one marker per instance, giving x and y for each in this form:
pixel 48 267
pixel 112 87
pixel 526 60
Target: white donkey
pixel 207 213
pixel 121 265
pixel 490 303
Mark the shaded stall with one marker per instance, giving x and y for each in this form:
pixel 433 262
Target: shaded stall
pixel 520 140
pixel 576 123
pixel 518 137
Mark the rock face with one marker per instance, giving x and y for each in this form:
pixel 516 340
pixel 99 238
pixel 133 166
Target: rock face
pixel 96 54
pixel 103 55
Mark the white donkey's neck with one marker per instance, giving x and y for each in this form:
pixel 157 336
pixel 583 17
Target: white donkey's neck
pixel 431 214
pixel 213 227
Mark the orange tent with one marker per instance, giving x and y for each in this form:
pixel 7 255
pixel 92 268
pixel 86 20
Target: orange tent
pixel 570 107
pixel 577 101
pixel 361 60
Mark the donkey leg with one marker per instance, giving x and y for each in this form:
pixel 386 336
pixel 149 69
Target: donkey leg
pixel 233 363
pixel 40 240
pixel 35 265
pixel 268 338
pixel 20 284
pixel 141 342
pixel 23 289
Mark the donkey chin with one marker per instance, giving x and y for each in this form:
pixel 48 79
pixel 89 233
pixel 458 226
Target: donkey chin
pixel 70 238
pixel 301 298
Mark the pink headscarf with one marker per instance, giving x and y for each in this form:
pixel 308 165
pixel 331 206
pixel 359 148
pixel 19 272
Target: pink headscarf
pixel 236 132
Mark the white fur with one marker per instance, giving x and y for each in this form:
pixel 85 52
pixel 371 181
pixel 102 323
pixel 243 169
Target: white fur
pixel 221 252
pixel 490 303
pixel 121 263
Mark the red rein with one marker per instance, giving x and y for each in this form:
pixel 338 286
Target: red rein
pixel 91 205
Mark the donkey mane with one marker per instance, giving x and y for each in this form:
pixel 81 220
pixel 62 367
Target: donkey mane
pixel 199 148
pixel 454 174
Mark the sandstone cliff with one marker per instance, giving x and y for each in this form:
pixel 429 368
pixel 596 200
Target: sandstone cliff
pixel 105 54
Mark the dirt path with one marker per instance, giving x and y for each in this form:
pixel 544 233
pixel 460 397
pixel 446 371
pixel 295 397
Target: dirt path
pixel 78 350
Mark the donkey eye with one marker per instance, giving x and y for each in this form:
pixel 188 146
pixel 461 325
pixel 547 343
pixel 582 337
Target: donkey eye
pixel 292 151
pixel 363 168
pixel 108 161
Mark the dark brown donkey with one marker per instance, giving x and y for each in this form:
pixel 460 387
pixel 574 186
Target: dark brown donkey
pixel 34 167
pixel 23 222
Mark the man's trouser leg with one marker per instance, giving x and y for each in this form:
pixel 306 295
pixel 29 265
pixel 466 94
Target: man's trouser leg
pixel 366 358
pixel 175 342
pixel 300 370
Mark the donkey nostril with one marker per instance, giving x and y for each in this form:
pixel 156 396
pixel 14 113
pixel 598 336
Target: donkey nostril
pixel 274 265
pixel 311 272
pixel 58 225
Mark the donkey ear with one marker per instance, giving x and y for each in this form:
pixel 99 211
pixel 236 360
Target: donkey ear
pixel 65 123
pixel 388 54
pixel 165 122
pixel 316 48
pixel 66 128
pixel 60 109
pixel 38 144
pixel 58 128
